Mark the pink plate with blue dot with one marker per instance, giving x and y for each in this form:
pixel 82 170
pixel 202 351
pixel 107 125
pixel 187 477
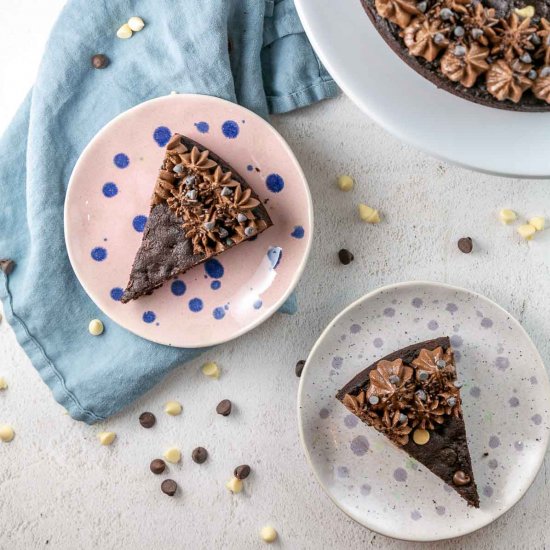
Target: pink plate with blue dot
pixel 506 402
pixel 107 205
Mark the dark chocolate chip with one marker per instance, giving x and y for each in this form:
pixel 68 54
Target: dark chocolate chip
pixel 345 256
pixel 224 407
pixel 465 245
pixel 448 456
pixel 199 455
pixel 299 367
pixel 147 419
pixel 242 472
pixel 169 487
pixel 7 266
pixel 99 61
pixel 461 478
pixel 157 466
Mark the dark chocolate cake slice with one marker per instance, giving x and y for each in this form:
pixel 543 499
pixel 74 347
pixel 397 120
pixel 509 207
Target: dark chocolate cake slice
pixel 493 52
pixel 200 208
pixel 412 396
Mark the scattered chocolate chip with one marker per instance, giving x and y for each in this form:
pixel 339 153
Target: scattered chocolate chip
pixel 169 487
pixel 299 367
pixel 157 466
pixel 7 266
pixel 199 455
pixel 147 419
pixel 485 454
pixel 461 478
pixel 242 472
pixel 345 256
pixel 465 245
pixel 448 456
pixel 99 61
pixel 224 407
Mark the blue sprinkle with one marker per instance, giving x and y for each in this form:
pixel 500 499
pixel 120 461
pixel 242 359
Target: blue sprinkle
pixel 230 129
pixel 139 223
pixel 121 160
pixel 298 232
pixel 116 293
pixel 214 285
pixel 258 304
pixel 275 183
pixel 99 253
pixel 162 135
pixel 149 316
pixel 219 313
pixel 178 288
pixel 214 268
pixel 195 305
pixel 202 127
pixel 110 189
pixel 250 167
pixel 274 255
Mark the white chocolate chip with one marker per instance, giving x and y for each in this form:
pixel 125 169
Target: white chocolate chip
pixel 211 370
pixel 345 183
pixel 173 408
pixel 95 327
pixel 368 214
pixel 235 485
pixel 527 231
pixel 6 433
pixel 125 31
pixel 172 455
pixel 136 23
pixel 526 13
pixel 3 383
pixel 537 223
pixel 268 534
pixel 507 216
pixel 106 438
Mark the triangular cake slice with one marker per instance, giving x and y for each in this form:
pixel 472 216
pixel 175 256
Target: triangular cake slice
pixel 413 397
pixel 200 208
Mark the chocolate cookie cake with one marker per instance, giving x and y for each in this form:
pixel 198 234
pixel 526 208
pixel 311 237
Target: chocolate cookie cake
pixel 493 52
pixel 200 208
pixel 412 396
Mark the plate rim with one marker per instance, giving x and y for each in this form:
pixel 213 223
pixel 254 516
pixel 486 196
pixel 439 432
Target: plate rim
pixel 367 108
pixel 301 399
pixel 297 275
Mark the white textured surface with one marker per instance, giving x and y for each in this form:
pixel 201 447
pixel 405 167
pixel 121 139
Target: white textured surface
pixel 59 487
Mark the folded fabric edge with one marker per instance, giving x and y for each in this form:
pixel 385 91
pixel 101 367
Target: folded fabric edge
pixel 41 362
pixel 302 98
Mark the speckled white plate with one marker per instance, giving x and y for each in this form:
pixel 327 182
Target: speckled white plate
pixel 506 399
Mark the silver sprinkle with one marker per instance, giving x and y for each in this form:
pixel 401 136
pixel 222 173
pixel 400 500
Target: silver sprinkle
pixel 457 384
pixel 441 363
pixel 403 418
pixel 223 232
pixel 459 31
pixel 476 33
pixel 535 39
pixel 394 379
pixel 460 51
pixel 229 242
pixel 532 74
pixel 422 6
pixel 191 195
pixel 421 394
pixel 439 38
pixel 526 58
pixel 545 71
pixel 178 169
pixel 209 225
pixel 226 192
pixel 374 400
pixel 446 14
pixel 190 180
pixel 249 231
pixel 423 376
pixel 451 401
pixel 241 218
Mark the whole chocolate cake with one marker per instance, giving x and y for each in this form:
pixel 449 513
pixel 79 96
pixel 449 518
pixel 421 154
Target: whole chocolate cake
pixel 493 52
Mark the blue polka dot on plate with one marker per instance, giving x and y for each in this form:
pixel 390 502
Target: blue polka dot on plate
pixel 258 304
pixel 230 129
pixel 214 268
pixel 250 167
pixel 195 305
pixel 149 316
pixel 298 232
pixel 116 293
pixel 275 183
pixel 202 127
pixel 162 135
pixel 110 189
pixel 139 223
pixel 219 313
pixel 121 160
pixel 178 288
pixel 98 253
pixel 215 285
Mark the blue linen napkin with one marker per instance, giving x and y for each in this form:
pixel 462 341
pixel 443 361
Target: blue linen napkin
pixel 270 68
